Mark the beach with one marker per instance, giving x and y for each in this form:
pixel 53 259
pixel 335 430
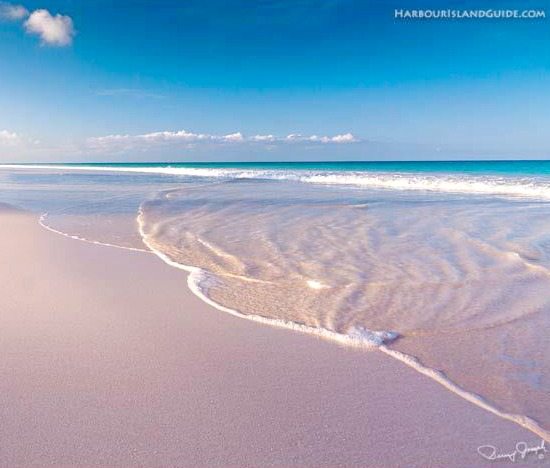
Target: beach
pixel 274 233
pixel 442 266
pixel 108 359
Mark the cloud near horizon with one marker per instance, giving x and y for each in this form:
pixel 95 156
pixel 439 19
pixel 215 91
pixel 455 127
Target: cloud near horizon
pixel 166 142
pixel 54 30
pixel 190 139
pixel 9 138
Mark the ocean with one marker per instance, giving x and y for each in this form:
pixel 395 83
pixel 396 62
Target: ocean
pixel 444 265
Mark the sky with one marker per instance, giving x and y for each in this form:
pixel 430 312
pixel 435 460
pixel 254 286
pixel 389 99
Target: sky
pixel 271 80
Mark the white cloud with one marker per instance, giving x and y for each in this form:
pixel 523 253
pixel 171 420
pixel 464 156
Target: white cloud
pixel 9 138
pixel 183 137
pixel 233 137
pixel 12 12
pixel 266 138
pixel 345 138
pixel 55 30
pixel 146 140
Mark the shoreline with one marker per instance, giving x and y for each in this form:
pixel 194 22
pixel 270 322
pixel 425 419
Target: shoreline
pixel 375 340
pixel 361 425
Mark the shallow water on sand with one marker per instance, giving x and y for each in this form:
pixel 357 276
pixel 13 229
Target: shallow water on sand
pixel 462 277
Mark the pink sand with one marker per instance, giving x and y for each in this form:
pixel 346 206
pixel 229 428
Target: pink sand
pixel 106 358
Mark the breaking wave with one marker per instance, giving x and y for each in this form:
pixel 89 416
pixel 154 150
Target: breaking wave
pixel 459 183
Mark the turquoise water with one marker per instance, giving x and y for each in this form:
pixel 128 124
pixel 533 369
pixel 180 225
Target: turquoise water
pixel 467 167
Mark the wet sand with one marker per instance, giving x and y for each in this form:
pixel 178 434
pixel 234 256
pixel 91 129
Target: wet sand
pixel 108 359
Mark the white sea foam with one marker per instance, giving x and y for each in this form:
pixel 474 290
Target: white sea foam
pixel 428 182
pixel 42 222
pixel 464 184
pixel 314 284
pixel 442 379
pixel 373 336
pixel 161 170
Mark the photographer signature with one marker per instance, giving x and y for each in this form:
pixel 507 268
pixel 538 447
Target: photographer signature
pixel 489 452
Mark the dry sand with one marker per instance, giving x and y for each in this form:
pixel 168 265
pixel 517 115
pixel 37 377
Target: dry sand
pixel 106 358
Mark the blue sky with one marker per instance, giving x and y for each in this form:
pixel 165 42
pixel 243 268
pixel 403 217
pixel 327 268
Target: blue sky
pixel 231 80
